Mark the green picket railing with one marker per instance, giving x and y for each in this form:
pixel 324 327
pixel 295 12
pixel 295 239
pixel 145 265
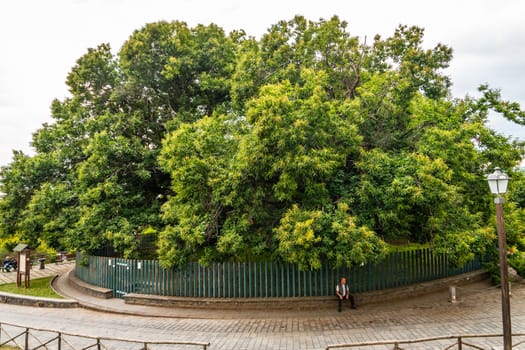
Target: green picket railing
pixel 263 279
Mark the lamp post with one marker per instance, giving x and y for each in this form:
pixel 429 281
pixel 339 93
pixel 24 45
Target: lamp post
pixel 498 182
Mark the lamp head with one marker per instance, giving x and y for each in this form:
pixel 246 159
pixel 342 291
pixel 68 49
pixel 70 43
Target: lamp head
pixel 498 182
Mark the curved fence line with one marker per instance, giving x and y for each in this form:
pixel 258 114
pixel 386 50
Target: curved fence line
pixel 263 279
pixel 29 338
pixel 460 341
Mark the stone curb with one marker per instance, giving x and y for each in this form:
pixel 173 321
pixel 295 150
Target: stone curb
pixel 234 304
pixel 301 303
pixel 27 300
pixel 86 288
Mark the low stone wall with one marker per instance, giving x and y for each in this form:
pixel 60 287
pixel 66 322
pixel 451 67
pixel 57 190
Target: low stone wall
pixel 87 288
pixel 422 288
pixel 27 300
pixel 304 302
pixel 296 303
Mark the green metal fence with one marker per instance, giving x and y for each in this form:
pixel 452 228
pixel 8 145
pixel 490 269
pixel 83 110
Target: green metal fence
pixel 263 279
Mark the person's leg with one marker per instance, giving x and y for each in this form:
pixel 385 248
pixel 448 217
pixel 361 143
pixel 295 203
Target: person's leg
pixel 352 302
pixel 340 302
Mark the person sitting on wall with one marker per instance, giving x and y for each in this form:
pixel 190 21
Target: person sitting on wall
pixel 342 292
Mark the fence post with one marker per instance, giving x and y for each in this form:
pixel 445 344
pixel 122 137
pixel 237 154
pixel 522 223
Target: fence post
pixel 26 345
pixel 460 343
pixel 59 345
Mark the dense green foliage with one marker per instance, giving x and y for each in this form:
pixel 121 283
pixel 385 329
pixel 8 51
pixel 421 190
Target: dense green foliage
pixel 306 145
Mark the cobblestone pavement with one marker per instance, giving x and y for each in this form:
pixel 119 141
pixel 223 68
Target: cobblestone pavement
pixel 478 311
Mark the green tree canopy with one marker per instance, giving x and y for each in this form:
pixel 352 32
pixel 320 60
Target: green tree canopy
pixel 308 145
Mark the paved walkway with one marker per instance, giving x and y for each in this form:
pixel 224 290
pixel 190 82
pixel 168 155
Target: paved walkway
pixel 478 311
pixel 49 270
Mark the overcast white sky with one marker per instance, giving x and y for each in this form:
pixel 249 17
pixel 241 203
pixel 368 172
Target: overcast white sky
pixel 41 40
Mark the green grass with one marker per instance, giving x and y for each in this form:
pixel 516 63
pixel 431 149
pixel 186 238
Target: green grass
pixel 7 347
pixel 399 246
pixel 40 287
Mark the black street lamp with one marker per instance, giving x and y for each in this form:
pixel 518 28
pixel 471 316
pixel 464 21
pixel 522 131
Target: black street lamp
pixel 498 182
